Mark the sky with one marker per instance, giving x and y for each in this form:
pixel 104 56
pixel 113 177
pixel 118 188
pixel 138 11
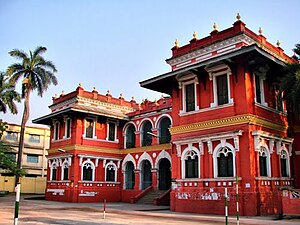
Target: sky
pixel 115 44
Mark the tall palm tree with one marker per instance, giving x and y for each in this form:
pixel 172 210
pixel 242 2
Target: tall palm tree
pixel 8 95
pixel 36 74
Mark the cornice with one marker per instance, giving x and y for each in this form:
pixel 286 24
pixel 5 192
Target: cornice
pixel 228 121
pixel 113 150
pixel 147 148
pixel 87 148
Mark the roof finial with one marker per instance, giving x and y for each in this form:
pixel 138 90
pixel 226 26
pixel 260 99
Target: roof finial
pixel 238 16
pixel 260 31
pixel 62 93
pixel 195 35
pixel 176 43
pixel 94 89
pixel 80 84
pixel 215 26
pixel 278 43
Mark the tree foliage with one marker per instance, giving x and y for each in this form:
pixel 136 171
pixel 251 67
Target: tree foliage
pixel 8 95
pixel 290 83
pixel 7 157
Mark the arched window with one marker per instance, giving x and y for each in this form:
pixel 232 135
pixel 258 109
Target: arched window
pixel 225 162
pixel 130 136
pixel 129 176
pixel 164 133
pixel 110 171
pixel 284 163
pixel 88 171
pixel 264 162
pixel 146 175
pixel 146 138
pixel 53 171
pixel 191 164
pixel 65 171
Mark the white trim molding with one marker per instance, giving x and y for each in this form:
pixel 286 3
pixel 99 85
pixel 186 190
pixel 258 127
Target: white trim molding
pixel 262 137
pixel 213 72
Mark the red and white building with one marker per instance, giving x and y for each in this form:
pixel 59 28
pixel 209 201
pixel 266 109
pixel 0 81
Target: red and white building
pixel 224 119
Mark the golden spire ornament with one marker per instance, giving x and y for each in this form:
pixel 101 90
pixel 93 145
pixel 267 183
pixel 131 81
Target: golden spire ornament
pixel 215 26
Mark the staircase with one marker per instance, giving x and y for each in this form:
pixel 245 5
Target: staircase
pixel 150 196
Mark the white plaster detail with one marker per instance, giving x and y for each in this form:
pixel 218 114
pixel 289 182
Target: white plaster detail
pixel 162 155
pixel 144 156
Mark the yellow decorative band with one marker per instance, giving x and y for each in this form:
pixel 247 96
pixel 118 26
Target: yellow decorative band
pixel 224 122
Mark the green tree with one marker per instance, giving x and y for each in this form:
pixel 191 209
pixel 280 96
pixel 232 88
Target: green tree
pixel 37 74
pixel 8 95
pixel 290 83
pixel 6 161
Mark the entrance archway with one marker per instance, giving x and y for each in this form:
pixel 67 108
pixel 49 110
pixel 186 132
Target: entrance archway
pixel 129 176
pixel 146 175
pixel 164 176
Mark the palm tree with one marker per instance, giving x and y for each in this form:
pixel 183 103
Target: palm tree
pixel 8 95
pixel 36 74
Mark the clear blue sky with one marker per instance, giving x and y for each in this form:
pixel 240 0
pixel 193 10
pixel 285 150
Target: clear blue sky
pixel 114 44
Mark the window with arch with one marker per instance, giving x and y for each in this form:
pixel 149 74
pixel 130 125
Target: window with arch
pixel 88 171
pixel 164 133
pixel 146 137
pixel 284 163
pixel 225 162
pixel 129 176
pixel 65 171
pixel 191 164
pixel 130 136
pixel 53 171
pixel 263 162
pixel 110 172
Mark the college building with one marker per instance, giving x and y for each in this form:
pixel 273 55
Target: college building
pixel 221 120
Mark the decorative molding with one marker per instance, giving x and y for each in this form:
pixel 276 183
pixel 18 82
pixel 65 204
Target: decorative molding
pixel 229 121
pixel 146 148
pixel 222 47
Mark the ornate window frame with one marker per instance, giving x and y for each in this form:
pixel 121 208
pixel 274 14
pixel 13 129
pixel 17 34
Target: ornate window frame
pixel 216 152
pixel 108 122
pixel 67 127
pixel 108 166
pixel 184 155
pixel 183 82
pixel 94 136
pixel 92 165
pixel 53 165
pixel 213 72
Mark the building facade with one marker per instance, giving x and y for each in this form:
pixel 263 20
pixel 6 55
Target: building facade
pixel 36 146
pixel 224 122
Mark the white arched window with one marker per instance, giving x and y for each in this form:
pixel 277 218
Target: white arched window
pixel 264 162
pixel 190 163
pixel 224 160
pixel 284 163
pixel 65 171
pixel 88 171
pixel 110 172
pixel 53 170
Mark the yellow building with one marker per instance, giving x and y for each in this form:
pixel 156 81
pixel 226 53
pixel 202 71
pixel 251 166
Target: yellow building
pixel 36 145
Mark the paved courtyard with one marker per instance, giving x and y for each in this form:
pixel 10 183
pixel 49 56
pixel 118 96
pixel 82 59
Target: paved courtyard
pixel 48 212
